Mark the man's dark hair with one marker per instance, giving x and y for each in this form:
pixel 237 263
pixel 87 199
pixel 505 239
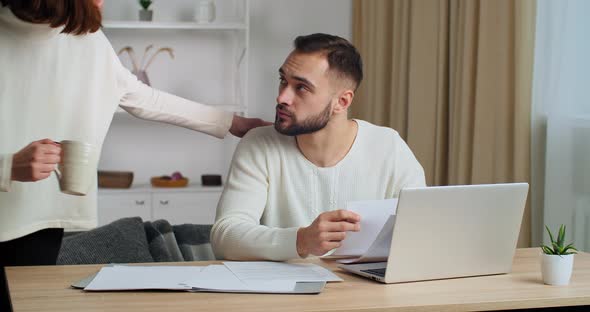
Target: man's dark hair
pixel 342 56
pixel 78 17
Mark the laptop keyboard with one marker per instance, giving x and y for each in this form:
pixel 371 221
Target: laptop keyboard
pixel 378 272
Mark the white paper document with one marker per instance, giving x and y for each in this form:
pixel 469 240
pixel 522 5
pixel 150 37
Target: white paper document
pixel 280 271
pixel 123 277
pixel 254 277
pixel 379 249
pixel 220 278
pixel 374 214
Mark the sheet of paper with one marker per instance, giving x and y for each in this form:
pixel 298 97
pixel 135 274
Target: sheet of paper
pixel 220 278
pixel 374 214
pixel 379 250
pixel 124 277
pixel 255 271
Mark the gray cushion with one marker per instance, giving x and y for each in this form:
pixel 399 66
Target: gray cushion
pixel 194 242
pixel 123 241
pixel 162 242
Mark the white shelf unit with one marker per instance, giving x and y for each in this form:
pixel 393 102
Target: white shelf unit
pixel 235 31
pixel 172 25
pixel 217 54
pixel 193 204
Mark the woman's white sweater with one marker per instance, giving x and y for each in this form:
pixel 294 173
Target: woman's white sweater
pixel 66 87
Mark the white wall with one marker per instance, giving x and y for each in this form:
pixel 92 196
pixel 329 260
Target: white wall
pixel 151 149
pixel 274 24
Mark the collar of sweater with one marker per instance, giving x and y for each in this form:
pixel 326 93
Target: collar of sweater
pixel 24 30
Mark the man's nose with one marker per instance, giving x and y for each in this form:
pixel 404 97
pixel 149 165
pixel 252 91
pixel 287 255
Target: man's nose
pixel 285 96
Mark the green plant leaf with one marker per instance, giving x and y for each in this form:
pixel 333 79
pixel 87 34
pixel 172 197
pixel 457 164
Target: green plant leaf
pixel 145 4
pixel 561 235
pixel 553 250
pixel 568 252
pixel 547 250
pixel 557 246
pixel 550 235
pixel 569 247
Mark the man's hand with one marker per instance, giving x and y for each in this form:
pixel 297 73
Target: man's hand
pixel 241 125
pixel 36 161
pixel 326 232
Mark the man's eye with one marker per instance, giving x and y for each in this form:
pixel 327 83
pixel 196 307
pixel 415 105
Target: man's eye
pixel 301 88
pixel 282 81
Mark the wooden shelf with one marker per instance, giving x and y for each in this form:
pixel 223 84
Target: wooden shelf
pixel 171 25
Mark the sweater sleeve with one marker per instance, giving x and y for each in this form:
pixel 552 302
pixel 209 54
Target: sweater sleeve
pixel 145 102
pixel 5 172
pixel 407 170
pixel 237 233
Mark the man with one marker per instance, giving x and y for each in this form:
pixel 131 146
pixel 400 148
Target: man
pixel 286 183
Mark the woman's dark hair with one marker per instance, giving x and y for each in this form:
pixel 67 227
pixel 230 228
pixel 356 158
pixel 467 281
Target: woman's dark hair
pixel 342 56
pixel 78 17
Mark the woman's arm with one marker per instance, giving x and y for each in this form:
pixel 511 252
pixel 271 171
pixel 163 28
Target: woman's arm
pixel 148 103
pixel 145 102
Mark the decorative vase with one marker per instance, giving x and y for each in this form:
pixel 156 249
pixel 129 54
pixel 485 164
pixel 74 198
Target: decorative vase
pixel 142 76
pixel 146 15
pixel 557 270
pixel 205 12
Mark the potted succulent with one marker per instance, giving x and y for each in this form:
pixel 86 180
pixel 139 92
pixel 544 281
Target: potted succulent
pixel 145 14
pixel 558 260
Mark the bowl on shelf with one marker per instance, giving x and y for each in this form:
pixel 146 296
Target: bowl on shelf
pixel 115 179
pixel 211 180
pixel 175 180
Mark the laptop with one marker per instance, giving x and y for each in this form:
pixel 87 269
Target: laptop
pixel 451 231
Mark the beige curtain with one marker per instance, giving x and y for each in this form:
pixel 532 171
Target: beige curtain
pixel 454 78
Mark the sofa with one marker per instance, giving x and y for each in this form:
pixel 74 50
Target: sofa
pixel 131 240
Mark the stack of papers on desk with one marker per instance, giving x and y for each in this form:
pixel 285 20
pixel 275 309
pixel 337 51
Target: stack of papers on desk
pixel 252 277
pixel 373 241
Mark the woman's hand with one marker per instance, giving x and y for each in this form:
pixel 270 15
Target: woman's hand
pixel 241 125
pixel 35 161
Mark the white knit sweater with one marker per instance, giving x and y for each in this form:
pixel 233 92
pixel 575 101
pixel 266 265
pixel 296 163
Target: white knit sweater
pixel 66 87
pixel 273 190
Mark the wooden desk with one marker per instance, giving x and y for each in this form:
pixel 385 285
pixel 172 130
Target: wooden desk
pixel 47 289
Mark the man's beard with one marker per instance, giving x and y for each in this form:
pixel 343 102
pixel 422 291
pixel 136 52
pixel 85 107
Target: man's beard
pixel 309 125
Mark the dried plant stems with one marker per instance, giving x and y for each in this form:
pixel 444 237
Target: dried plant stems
pixel 151 60
pixel 140 66
pixel 147 49
pixel 131 54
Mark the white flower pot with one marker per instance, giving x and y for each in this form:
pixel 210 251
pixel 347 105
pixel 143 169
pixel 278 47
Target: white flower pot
pixel 146 15
pixel 557 270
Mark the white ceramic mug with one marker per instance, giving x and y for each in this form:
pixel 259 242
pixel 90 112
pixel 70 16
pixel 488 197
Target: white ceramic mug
pixel 77 167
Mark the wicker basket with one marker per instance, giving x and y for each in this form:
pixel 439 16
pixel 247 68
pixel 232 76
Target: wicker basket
pixel 115 179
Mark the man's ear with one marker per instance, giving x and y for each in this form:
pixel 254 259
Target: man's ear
pixel 344 101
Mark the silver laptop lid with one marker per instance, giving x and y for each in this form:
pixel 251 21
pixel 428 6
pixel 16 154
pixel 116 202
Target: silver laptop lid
pixel 455 231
